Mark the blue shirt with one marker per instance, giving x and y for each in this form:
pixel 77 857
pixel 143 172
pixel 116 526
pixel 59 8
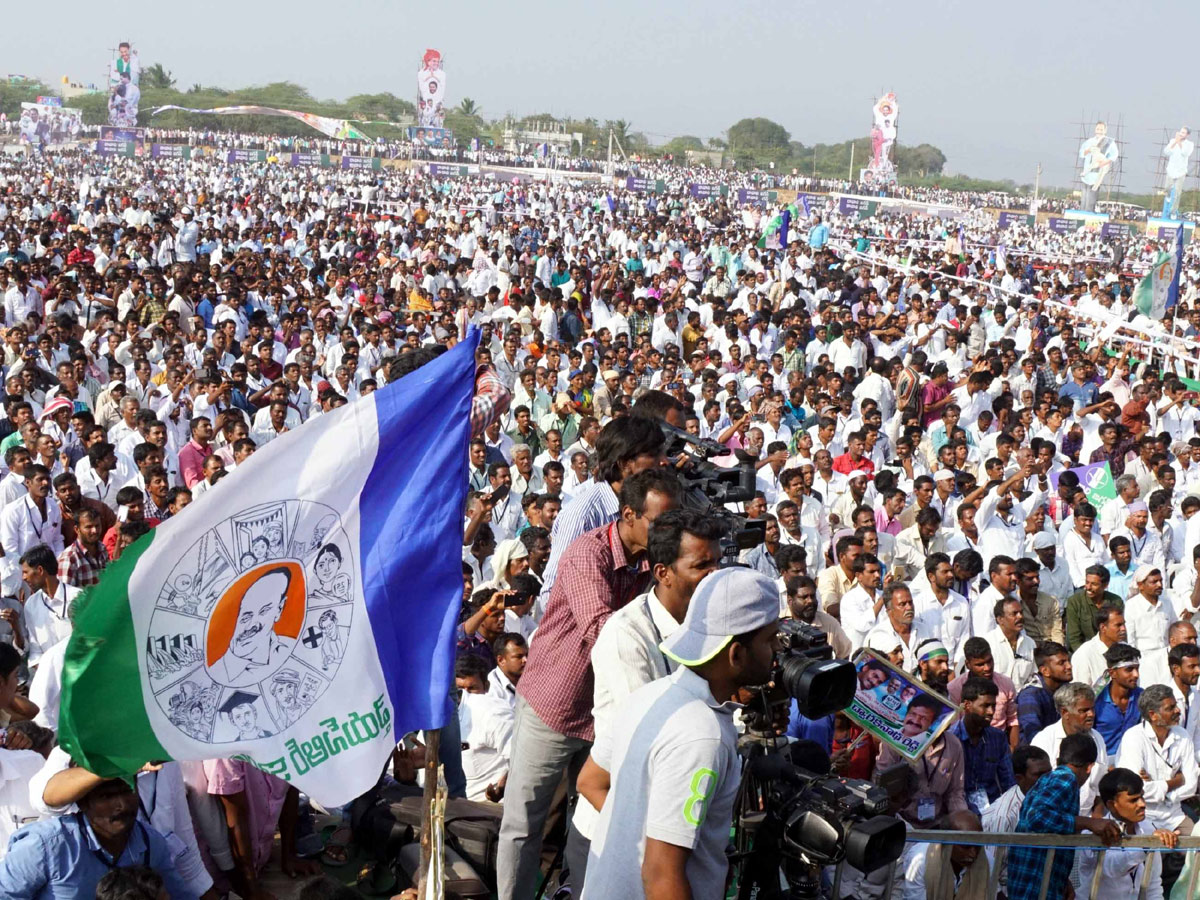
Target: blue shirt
pixel 1111 722
pixel 60 859
pixel 987 765
pixel 1050 807
pixel 1035 710
pixel 818 236
pixel 820 730
pixel 1080 394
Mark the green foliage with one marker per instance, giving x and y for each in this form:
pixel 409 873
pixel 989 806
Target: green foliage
pixel 469 107
pixel 680 145
pixel 758 135
pixel 156 76
pixel 13 95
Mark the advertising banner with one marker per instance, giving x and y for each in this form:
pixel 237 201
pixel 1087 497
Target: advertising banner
pixel 41 124
pixel 432 137
pixel 897 707
pixel 756 197
pixel 320 160
pixel 645 185
pixel 1097 482
pixel 171 151
pixel 1063 225
pixel 246 156
pixel 124 91
pixel 705 191
pixel 1008 219
pixel 431 90
pixel 116 148
pixel 362 163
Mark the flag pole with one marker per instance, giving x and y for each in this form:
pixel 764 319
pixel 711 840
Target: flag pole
pixel 433 743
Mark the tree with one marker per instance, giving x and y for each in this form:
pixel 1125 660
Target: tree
pixel 758 135
pixel 156 77
pixel 469 107
pixel 380 106
pixel 680 145
pixel 620 130
pixel 195 88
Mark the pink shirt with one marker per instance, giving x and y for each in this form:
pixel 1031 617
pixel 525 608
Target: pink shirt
pixel 264 796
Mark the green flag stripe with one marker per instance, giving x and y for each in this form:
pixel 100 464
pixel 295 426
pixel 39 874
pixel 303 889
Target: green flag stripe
pixel 102 720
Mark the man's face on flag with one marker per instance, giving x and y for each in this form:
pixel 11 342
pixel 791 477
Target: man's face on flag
pixel 259 610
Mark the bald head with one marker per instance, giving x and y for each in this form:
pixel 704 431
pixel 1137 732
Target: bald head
pixel 1181 633
pixel 963 856
pixel 963 820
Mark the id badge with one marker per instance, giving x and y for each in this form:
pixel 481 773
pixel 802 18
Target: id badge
pixel 926 809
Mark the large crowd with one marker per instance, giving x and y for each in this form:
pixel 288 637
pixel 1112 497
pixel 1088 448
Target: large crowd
pixel 913 392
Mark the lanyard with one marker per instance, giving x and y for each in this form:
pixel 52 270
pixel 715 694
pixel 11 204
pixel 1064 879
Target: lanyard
pixel 37 530
pixel 62 585
pixel 658 638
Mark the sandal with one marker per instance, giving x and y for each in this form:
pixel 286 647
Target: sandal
pixel 377 878
pixel 336 852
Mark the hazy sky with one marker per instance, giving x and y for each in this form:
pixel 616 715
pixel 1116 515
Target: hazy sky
pixel 998 87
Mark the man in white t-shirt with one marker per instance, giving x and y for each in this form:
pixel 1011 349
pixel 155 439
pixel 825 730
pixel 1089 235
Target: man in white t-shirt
pixel 665 782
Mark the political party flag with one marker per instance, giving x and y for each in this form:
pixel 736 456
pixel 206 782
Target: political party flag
pixel 340 129
pixel 1097 483
pixel 784 224
pixel 1159 290
pixel 807 208
pixel 299 617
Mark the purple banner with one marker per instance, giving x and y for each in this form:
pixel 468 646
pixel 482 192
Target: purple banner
pixel 1116 230
pixel 171 151
pixel 362 163
pixel 705 191
pixel 1060 225
pixel 246 156
pixel 755 197
pixel 1015 218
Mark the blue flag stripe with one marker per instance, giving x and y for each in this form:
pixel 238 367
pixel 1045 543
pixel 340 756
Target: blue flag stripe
pixel 411 528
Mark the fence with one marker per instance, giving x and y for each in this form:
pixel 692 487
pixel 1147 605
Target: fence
pixel 1052 843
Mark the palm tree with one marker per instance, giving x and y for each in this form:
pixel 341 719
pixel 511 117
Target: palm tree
pixel 620 129
pixel 468 107
pixel 156 76
pixel 195 88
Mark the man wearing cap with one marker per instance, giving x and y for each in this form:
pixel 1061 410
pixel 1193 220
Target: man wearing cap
pixel 665 783
pixel 1148 616
pixel 1054 577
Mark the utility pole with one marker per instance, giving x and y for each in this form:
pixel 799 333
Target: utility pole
pixel 610 162
pixel 850 177
pixel 814 162
pixel 1037 183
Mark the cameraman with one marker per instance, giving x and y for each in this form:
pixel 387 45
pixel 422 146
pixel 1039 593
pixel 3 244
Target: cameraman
pixel 665 782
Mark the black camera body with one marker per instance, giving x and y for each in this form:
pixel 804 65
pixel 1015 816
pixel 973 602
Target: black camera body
pixel 708 487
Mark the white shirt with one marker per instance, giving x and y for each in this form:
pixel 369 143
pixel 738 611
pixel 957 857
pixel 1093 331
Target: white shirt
pixel 1079 555
pixel 46 687
pixel 487 726
pixel 1087 663
pixel 1017 665
pixel 1147 623
pixel 1141 752
pixel 675 773
pixel 1121 878
pixel 499 686
pixel 22 526
pixel 916 636
pixel 16 768
pixel 47 620
pixel 1049 739
pixel 949 621
pixel 624 658
pixel 857 612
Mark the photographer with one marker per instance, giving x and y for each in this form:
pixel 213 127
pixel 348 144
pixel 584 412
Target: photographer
pixel 665 784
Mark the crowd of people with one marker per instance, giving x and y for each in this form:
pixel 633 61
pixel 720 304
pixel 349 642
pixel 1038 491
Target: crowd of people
pixel 914 394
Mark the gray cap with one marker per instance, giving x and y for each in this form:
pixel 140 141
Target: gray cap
pixel 725 604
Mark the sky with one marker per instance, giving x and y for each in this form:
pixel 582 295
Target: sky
pixel 999 88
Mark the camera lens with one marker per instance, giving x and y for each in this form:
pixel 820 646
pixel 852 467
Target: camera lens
pixel 872 844
pixel 819 686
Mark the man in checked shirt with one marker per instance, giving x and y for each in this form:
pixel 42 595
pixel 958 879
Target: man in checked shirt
pixel 600 572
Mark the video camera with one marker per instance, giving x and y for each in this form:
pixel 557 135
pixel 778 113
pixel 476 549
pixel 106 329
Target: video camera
pixel 708 487
pixel 798 821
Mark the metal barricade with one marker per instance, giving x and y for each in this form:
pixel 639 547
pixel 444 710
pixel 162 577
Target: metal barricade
pixel 1052 843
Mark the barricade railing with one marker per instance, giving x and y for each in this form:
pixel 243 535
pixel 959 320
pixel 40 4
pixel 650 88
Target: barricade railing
pixel 1051 843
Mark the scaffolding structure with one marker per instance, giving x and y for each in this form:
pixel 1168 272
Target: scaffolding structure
pixel 1158 163
pixel 1114 180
